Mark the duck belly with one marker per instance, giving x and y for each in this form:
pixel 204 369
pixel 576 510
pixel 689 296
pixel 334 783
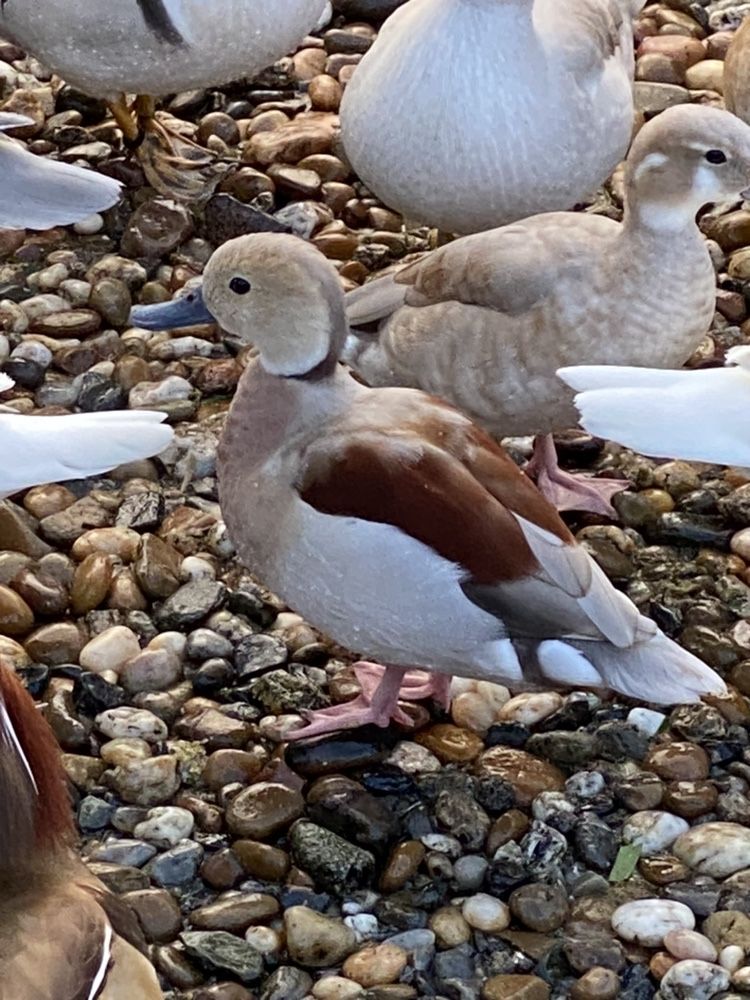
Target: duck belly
pixel 374 590
pixel 496 131
pixel 157 46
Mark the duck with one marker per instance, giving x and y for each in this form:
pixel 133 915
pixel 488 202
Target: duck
pixel 63 934
pixel 736 73
pixel 466 115
pixel 394 524
pixel 487 320
pixel 699 416
pixel 152 48
pixel 52 449
pixel 39 193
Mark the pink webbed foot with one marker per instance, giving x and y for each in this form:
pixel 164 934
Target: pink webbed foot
pixel 416 685
pixel 377 704
pixel 567 491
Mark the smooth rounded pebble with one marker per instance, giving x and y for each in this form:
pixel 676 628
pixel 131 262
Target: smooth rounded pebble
pixel 485 913
pixel 646 720
pixel 717 849
pixel 646 921
pixel 165 826
pixel 110 650
pixel 336 988
pixel 731 957
pixel 693 980
pixel 530 707
pixel 653 830
pixel 690 944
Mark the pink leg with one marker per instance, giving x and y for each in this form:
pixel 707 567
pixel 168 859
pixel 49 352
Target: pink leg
pixel 376 704
pixel 566 491
pixel 416 685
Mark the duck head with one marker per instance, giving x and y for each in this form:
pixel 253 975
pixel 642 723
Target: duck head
pixel 274 291
pixel 683 159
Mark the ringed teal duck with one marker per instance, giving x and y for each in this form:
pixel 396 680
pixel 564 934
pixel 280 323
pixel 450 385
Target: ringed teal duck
pixel 156 47
pixel 63 935
pixel 391 522
pixel 487 320
pixel 469 114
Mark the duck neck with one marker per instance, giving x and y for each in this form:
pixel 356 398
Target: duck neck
pixel 661 219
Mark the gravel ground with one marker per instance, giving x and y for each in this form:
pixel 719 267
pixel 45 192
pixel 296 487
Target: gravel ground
pixel 539 846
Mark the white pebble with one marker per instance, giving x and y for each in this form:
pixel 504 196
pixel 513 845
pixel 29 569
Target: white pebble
pixel 690 944
pixel 646 921
pixel 741 979
pixel 77 292
pixel 146 394
pixel 193 568
pixel 90 225
pixel 443 844
pixel 165 826
pixel 485 913
pixel 653 830
pixel 530 707
pixel 110 650
pixel 126 721
pixel 364 925
pixel 264 939
pixel 548 805
pixel 731 957
pixel 175 642
pixel 693 979
pixel 336 988
pixel 413 758
pixel 717 849
pixel 646 721
pixel 585 784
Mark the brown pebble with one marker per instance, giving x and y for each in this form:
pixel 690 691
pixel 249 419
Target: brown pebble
pixel 678 761
pixel 450 744
pixel 325 93
pixel 527 774
pixel 222 870
pixel 402 865
pixel 690 798
pixel 539 907
pixel 224 767
pixel 515 987
pixel 512 825
pixel 376 964
pixel 663 869
pixel 41 501
pixel 262 860
pixel 660 964
pixel 91 582
pixel 596 984
pixel 158 913
pixel 16 617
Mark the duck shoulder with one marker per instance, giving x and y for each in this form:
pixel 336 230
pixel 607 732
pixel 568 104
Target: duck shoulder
pixel 586 34
pixel 428 471
pixel 511 269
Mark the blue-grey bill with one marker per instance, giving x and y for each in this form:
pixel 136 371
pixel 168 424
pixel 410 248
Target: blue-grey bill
pixel 189 310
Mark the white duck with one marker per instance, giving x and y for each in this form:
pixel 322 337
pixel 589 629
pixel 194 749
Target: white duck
pixel 153 48
pixel 487 320
pixel 38 193
pixel 702 416
pixel 35 450
pixel 469 114
pixel 391 522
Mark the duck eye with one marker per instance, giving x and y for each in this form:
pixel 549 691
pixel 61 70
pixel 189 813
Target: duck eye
pixel 716 156
pixel 239 286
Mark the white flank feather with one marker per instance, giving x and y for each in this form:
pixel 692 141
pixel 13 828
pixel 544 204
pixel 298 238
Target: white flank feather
pixel 36 450
pixel 38 193
pixel 701 416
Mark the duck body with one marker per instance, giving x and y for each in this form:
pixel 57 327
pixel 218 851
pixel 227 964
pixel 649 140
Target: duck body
pixel 35 450
pixel 737 73
pixel 63 935
pixel 700 416
pixel 486 321
pixel 157 47
pixel 511 107
pixel 38 193
pixel 393 523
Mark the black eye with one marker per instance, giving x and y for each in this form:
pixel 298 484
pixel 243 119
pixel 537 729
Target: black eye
pixel 239 286
pixel 716 156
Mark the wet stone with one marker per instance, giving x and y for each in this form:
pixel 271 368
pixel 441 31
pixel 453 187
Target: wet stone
pixel 263 809
pixel 539 907
pixel 190 605
pixel 333 863
pixel 527 774
pixel 317 941
pixel 224 952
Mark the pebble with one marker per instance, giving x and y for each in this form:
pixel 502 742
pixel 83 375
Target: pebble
pixel 236 912
pixel 165 826
pixel 515 987
pixel 131 722
pixel 110 650
pixel 653 830
pixel 263 809
pixel 693 979
pixel 690 944
pixel 717 849
pixel 596 984
pixel 528 775
pixel 646 921
pixel 486 913
pixel 317 941
pixel 646 720
pixel 376 964
pixel 336 988
pixel 530 707
pixel 224 952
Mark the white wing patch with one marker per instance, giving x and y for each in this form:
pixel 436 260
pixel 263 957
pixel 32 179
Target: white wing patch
pixel 8 733
pixel 101 972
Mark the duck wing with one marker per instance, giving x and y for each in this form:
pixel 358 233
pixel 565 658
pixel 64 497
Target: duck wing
pixel 442 480
pixel 39 193
pixel 38 450
pixel 588 34
pixel 701 416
